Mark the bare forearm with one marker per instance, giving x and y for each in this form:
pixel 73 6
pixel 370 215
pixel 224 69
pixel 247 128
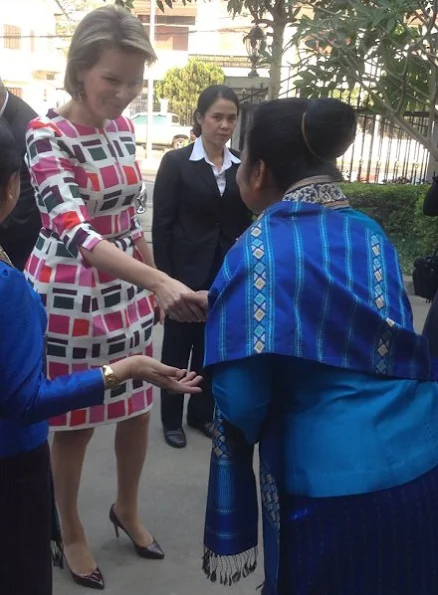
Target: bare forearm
pixel 145 252
pixel 169 292
pixel 108 258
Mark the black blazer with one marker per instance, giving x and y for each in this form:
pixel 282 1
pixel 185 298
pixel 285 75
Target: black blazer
pixel 18 233
pixel 430 204
pixel 193 225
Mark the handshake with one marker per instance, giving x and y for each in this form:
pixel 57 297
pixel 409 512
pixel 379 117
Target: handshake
pixel 179 303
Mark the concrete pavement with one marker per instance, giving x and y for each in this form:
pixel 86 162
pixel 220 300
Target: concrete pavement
pixel 172 501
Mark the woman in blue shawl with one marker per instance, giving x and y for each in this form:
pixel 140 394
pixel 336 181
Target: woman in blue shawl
pixel 313 356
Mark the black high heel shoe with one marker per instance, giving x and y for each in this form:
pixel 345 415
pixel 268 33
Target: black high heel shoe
pixel 152 551
pixel 91 581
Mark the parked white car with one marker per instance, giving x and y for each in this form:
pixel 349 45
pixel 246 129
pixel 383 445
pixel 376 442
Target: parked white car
pixel 166 130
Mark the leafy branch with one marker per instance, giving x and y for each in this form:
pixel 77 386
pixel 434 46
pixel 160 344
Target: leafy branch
pixel 387 48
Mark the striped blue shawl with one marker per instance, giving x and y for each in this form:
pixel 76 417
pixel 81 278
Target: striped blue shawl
pixel 319 283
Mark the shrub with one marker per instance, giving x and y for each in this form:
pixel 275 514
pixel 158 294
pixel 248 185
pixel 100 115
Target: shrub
pixel 425 230
pixel 398 208
pixel 393 206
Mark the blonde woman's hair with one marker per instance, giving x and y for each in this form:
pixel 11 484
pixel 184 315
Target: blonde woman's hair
pixel 103 28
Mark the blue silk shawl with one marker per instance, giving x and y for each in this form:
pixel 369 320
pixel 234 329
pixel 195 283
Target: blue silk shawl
pixel 312 279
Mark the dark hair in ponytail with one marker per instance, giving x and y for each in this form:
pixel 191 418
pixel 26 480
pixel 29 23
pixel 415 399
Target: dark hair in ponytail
pixel 196 129
pixel 10 157
pixel 299 138
pixel 207 98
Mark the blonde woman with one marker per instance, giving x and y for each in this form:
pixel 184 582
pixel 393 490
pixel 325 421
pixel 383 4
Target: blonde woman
pixel 91 266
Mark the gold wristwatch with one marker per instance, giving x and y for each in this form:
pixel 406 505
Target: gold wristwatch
pixel 111 380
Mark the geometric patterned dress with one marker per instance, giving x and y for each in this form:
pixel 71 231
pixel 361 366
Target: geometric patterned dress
pixel 86 180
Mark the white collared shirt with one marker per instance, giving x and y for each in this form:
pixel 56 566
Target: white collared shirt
pixel 2 109
pixel 199 153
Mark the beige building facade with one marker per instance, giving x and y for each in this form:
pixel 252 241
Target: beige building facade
pixel 30 64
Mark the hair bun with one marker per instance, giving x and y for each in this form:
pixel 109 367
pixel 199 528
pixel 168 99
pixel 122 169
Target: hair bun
pixel 330 127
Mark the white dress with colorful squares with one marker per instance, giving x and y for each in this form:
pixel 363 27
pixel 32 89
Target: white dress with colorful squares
pixel 86 180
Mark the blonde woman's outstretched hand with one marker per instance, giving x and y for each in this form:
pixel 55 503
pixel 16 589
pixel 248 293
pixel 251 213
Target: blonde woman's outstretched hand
pixel 142 367
pixel 171 295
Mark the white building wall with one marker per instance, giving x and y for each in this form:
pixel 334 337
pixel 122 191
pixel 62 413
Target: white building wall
pixel 215 33
pixel 218 34
pixel 26 68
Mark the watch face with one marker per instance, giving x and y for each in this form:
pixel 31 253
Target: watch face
pixel 110 378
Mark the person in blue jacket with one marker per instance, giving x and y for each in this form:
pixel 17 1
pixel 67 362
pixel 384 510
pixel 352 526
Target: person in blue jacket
pixel 28 399
pixel 313 356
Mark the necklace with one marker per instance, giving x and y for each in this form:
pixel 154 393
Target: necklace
pixel 317 190
pixel 309 181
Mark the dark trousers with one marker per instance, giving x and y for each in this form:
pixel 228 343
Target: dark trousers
pixel 19 243
pixel 25 523
pixel 179 342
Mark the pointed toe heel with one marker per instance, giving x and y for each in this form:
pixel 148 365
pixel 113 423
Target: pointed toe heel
pixel 151 552
pixel 91 581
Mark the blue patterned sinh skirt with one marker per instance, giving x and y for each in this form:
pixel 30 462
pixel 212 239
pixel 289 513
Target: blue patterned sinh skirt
pixel 381 543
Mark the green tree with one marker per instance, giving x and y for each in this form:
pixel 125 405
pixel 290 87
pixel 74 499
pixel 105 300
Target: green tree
pixel 129 4
pixel 386 48
pixel 181 86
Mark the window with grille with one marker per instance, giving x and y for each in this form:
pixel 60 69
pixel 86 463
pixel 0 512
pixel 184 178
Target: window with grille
pixel 168 20
pixel 11 37
pixel 172 38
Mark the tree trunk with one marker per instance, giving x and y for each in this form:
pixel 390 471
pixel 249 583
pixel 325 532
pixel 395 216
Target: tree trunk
pixel 432 131
pixel 277 59
pixel 432 168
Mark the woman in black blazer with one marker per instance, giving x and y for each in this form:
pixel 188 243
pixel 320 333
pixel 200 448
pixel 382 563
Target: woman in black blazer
pixel 198 215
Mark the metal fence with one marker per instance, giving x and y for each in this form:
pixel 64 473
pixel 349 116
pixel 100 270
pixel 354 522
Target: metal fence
pixel 382 151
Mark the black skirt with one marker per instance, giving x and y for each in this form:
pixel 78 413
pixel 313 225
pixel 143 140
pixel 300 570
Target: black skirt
pixel 380 543
pixel 26 523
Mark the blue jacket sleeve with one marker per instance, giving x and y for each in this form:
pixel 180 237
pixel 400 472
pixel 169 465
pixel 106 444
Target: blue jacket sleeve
pixel 25 393
pixel 242 390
